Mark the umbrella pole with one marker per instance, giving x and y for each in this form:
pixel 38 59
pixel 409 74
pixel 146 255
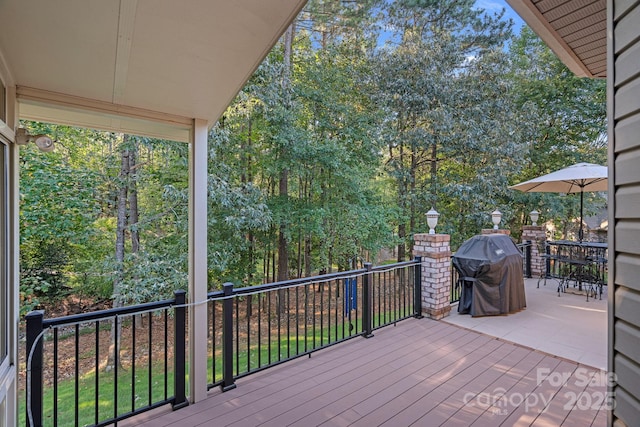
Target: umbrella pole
pixel 580 232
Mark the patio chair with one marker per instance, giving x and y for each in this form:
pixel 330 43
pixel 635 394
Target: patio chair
pixel 596 274
pixel 546 257
pixel 585 271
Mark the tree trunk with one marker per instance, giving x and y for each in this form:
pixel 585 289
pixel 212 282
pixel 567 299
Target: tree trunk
pixel 402 203
pixel 283 247
pixel 307 256
pixel 133 198
pixel 402 234
pixel 283 186
pixel 412 196
pixel 119 253
pixel 434 171
pixel 299 258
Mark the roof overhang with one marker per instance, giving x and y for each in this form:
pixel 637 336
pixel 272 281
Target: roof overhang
pixel 138 66
pixel 576 31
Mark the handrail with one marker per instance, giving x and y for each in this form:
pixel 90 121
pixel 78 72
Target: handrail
pixel 108 313
pixel 251 329
pixel 151 396
pixel 256 327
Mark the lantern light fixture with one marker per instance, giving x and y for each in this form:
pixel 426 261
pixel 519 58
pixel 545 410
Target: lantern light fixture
pixel 534 215
pixel 496 217
pixel 432 220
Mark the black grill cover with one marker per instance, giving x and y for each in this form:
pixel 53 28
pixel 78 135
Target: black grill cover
pixel 490 267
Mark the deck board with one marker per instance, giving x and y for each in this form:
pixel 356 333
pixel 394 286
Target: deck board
pixel 420 372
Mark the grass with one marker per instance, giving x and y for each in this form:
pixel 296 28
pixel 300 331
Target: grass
pixel 255 358
pixel 106 397
pixel 258 355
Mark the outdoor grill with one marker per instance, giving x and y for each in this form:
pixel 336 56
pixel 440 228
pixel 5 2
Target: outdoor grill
pixel 491 276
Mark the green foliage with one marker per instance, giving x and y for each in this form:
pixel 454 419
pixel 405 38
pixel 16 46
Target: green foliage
pixel 450 119
pixel 386 110
pixel 566 125
pixel 57 208
pixel 68 218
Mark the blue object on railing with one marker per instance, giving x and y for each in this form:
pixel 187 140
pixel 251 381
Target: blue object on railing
pixel 350 294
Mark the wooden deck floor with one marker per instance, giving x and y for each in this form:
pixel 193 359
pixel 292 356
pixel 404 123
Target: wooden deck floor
pixel 417 373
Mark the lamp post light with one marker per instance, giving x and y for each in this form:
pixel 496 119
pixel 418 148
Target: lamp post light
pixel 432 220
pixel 534 215
pixel 496 217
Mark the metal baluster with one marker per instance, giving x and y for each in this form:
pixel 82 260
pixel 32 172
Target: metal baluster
pixel 149 362
pixel 133 363
pixel 259 331
pixel 97 381
pixel 237 329
pixel 55 377
pixel 77 375
pixel 248 314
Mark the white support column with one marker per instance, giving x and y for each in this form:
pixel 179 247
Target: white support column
pixel 14 281
pixel 198 261
pixel 13 259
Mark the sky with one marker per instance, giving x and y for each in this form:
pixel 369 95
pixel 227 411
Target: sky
pixel 497 5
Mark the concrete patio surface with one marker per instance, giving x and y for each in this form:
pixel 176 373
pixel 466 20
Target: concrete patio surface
pixel 567 326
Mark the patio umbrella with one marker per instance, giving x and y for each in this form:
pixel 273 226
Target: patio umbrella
pixel 577 178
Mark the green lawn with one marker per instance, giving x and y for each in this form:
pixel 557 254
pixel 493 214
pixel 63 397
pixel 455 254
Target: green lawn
pixel 244 361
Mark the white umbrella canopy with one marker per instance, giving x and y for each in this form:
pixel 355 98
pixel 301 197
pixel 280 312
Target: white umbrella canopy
pixel 576 178
pixel 572 179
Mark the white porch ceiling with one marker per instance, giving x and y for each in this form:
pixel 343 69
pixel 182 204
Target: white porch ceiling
pixel 168 60
pixel 576 30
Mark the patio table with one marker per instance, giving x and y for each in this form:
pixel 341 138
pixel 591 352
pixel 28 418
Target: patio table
pixel 583 263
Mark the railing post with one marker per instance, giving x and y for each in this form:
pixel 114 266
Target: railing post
pixel 547 264
pixel 34 387
pixel 367 306
pixel 527 259
pixel 417 289
pixel 179 343
pixel 227 338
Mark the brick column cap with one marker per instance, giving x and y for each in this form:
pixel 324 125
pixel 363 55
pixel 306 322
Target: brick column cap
pixel 498 231
pixel 432 237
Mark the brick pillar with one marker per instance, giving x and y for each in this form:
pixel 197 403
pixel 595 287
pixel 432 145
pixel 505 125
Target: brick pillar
pixel 538 237
pixel 436 273
pixel 498 231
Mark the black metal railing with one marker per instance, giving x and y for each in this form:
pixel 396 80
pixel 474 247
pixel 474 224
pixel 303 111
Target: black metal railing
pixel 92 378
pixel 525 248
pixel 253 328
pixel 456 285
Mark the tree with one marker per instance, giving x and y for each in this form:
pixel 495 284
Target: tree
pixel 57 210
pixel 566 125
pixel 428 87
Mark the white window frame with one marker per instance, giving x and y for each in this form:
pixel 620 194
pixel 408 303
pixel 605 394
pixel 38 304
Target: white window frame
pixel 5 293
pixel 8 242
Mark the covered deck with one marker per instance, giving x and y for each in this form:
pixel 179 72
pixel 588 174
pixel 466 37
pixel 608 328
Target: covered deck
pixel 418 372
